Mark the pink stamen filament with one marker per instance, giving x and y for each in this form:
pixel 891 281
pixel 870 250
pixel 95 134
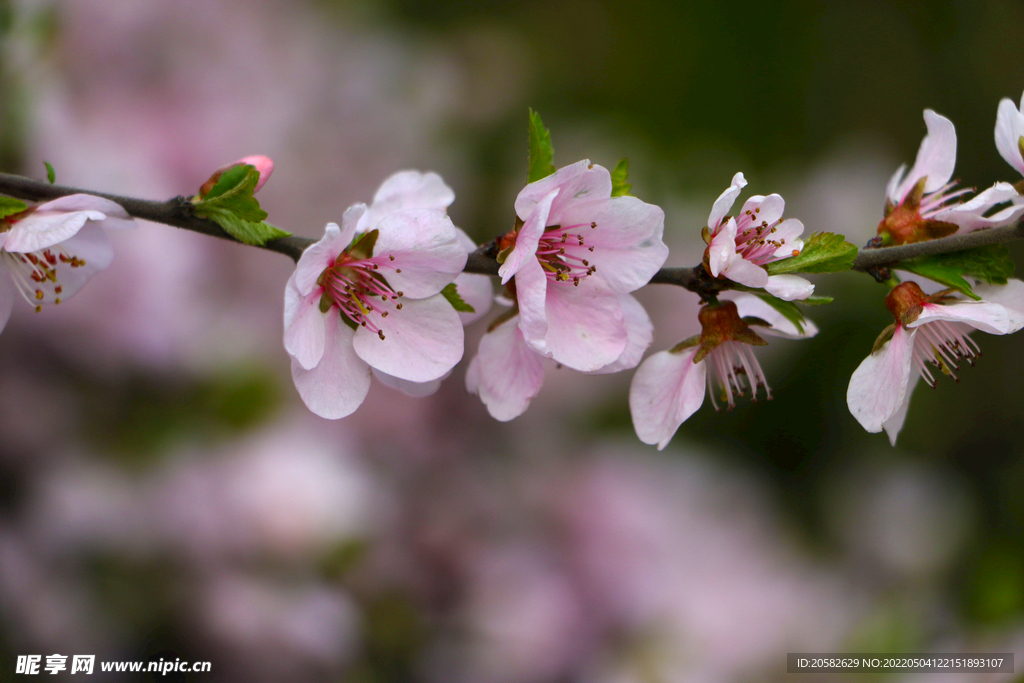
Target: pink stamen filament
pixel 944 346
pixel 735 367
pixel 353 289
pixel 556 252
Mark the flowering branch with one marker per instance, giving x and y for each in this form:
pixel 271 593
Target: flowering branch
pixel 178 212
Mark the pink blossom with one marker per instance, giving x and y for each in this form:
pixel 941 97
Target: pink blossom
pixel 48 252
pixel 576 250
pixel 740 247
pixel 669 386
pixel 1009 131
pixel 927 330
pixel 367 297
pixel 922 204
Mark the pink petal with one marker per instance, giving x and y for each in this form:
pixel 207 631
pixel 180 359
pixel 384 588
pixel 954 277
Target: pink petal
pixel 722 248
pixel 424 246
pixel 1009 130
pixel 740 270
pixel 116 217
pixel 531 293
pixel 340 381
pixel 8 293
pixel 578 182
pixel 304 326
pixel 639 335
pixel 475 290
pixel 666 390
pixel 628 249
pixel 91 246
pixel 506 373
pixel 1010 296
pixel 894 424
pixel 415 389
pixel 725 201
pixel 787 233
pixel 771 208
pixel 879 383
pixel 408 190
pixel 789 287
pixel 317 257
pixel 980 315
pixel 43 229
pixel 585 325
pixel 528 239
pixel 751 305
pixel 422 341
pixel 892 188
pixel 936 157
pixel 969 215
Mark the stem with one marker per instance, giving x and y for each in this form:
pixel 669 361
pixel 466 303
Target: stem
pixel 178 213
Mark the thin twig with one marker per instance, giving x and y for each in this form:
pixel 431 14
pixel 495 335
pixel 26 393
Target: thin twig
pixel 178 213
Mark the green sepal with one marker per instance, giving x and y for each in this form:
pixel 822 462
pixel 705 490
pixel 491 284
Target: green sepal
pixel 990 263
pixel 451 293
pixel 51 175
pixel 788 309
pixel 1020 144
pixel 542 153
pixel 824 252
pixel 231 204
pixel 10 206
pixel 620 188
pixel 503 254
pixel 687 343
pixel 816 300
pixel 362 245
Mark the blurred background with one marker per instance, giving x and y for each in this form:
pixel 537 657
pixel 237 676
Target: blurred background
pixel 165 494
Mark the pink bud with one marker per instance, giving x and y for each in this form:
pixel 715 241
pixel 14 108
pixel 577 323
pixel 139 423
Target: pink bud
pixel 265 166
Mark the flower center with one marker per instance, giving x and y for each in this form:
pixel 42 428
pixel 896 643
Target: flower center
pixel 564 254
pixel 754 240
pixel 943 345
pixel 364 298
pixel 36 275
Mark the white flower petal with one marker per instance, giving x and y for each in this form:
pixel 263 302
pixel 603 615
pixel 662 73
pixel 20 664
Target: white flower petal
pixel 879 383
pixel 639 335
pixel 666 390
pixel 789 287
pixel 339 383
pixel 506 373
pixel 981 315
pixel 528 239
pixel 1010 296
pixel 585 325
pixel 418 252
pixel 750 305
pixel 936 157
pixel 304 335
pixel 894 424
pixel 407 190
pixel 725 201
pixel 1009 130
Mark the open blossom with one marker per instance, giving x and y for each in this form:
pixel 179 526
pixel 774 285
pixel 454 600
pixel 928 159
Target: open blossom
pixel 670 385
pixel 569 266
pixel 922 204
pixel 739 247
pixel 48 252
pixel 367 297
pixel 1010 132
pixel 928 330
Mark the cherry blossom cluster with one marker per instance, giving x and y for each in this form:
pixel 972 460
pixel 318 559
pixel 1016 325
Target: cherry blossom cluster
pixel 385 293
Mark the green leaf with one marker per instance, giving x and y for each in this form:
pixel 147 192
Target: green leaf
pixel 786 308
pixel 362 245
pixel 816 300
pixel 10 206
pixel 620 188
pixel 232 206
pixel 991 264
pixel 51 175
pixel 451 293
pixel 824 252
pixel 542 154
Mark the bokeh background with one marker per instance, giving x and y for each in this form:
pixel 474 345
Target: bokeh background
pixel 164 492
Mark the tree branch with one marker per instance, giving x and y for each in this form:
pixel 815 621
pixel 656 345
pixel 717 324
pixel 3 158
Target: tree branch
pixel 178 213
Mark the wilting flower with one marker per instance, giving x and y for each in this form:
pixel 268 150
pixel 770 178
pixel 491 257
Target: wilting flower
pixel 922 204
pixel 738 248
pixel 928 329
pixel 367 297
pixel 669 386
pixel 48 252
pixel 264 165
pixel 575 251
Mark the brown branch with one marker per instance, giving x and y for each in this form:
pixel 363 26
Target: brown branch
pixel 178 213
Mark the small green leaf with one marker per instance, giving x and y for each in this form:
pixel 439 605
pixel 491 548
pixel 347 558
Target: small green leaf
pixel 10 206
pixel 451 293
pixel 824 252
pixel 51 175
pixel 620 188
pixel 787 308
pixel 990 263
pixel 816 300
pixel 232 206
pixel 542 154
